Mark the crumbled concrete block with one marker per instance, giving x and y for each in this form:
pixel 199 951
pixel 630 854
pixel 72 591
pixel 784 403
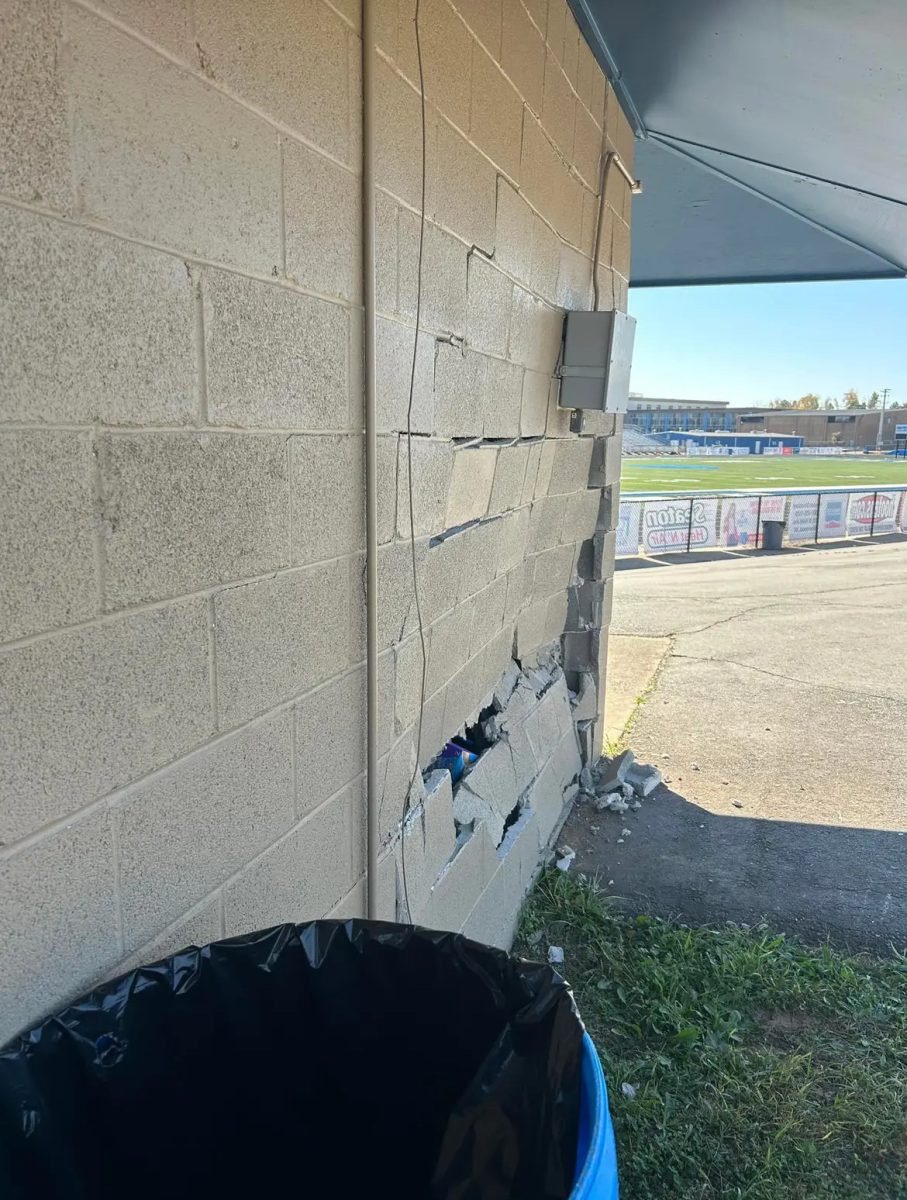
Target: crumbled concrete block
pixel 464 695
pixel 612 772
pixel 525 764
pixel 498 654
pixel 522 703
pixel 489 791
pixel 643 779
pixel 402 789
pixel 582 649
pixel 585 707
pixel 531 628
pixel 506 687
pixel 471 482
pixel 586 603
pixel 428 838
pixel 463 880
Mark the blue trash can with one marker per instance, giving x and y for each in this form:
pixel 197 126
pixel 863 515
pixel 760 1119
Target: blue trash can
pixel 596 1160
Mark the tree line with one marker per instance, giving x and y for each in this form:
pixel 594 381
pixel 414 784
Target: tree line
pixel 850 399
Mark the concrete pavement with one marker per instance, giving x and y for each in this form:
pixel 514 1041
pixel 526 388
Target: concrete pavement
pixel 779 719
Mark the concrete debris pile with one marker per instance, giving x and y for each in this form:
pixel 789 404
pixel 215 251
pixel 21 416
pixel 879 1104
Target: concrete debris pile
pixel 619 783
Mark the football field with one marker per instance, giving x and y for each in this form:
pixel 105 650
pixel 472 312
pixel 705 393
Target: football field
pixel 757 472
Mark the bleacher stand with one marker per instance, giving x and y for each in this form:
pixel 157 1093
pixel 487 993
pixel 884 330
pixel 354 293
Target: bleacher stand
pixel 636 443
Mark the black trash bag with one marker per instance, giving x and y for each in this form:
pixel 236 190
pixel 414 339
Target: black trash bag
pixel 326 1060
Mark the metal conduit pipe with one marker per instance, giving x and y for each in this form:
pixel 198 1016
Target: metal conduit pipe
pixel 371 448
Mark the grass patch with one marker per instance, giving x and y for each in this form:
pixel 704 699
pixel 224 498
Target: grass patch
pixel 764 1069
pixel 682 474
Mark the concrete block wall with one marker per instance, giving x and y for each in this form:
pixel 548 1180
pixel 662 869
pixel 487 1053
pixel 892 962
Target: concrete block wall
pixel 182 713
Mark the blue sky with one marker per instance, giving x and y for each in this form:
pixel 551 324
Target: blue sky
pixel 752 343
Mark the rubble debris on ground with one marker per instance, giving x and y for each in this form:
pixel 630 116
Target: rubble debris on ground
pixel 555 955
pixel 566 855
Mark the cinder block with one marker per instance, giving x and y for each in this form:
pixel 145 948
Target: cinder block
pixel 443 276
pixel 398 135
pixel 290 59
pixel 574 279
pixel 488 294
pixel 408 680
pixel 588 145
pixel 547 803
pixel 512 543
pixel 519 584
pixel 556 617
pixel 462 187
pixel 394 345
pixel 546 521
pixel 531 625
pixel 547 182
pixel 464 694
pixel 388 886
pixel 583 515
pixel 484 19
pixel 581 649
pixel 612 459
pixel 549 722
pixel 495 915
pixel 442 575
pixel 462 881
pixel 513 232
pixel 34 152
pixel 88 710
pixel 396 607
pixel 184 511
pixel 47 563
pixel 570 466
pixel 620 247
pixel 498 655
pixel 132 147
pixel 301 877
pixel 489 613
pixel 507 491
pixel 330 739
pixel 586 67
pixel 451 637
pixel 185 831
pixel 58 921
pixel 428 839
pixel 432 464
pixel 433 736
pixel 525 764
pixel 496 114
pixel 484 547
pixel 535 333
pixel 446 54
pixel 558 16
pixel 354 904
pixel 459 404
pixel 385 253
pixel 327 488
pixel 546 465
pixel 322 214
pixel 532 471
pixel 470 484
pixel 558 106
pixel 619 131
pixel 403 789
pixel 534 412
pixel 553 571
pixel 280 637
pixel 596 560
pixel 167 23
pixel 546 258
pixel 204 924
pixel 523 54
pixel 503 398
pixel 95 329
pixel 538 10
pixel 274 357
pixel 586 606
pixel 489 792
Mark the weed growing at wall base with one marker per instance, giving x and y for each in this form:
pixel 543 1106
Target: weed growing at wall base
pixel 762 1069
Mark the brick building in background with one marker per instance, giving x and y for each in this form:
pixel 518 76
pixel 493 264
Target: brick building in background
pixel 182 544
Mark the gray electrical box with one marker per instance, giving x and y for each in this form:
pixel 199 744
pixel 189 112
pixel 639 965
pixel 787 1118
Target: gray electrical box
pixel 596 359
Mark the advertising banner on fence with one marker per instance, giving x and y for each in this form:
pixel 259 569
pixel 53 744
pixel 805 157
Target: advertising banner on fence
pixel 801 518
pixel 740 516
pixel 628 528
pixel 873 512
pixel 670 525
pixel 833 516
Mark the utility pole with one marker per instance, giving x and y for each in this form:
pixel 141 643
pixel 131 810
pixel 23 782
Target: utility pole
pixel 885 392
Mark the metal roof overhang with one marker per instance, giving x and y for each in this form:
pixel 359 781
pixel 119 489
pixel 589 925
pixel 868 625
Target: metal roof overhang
pixel 773 135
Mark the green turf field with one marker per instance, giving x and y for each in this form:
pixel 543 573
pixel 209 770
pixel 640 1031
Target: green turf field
pixel 680 473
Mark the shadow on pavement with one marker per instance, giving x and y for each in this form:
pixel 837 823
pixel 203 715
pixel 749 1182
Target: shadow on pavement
pixel 684 862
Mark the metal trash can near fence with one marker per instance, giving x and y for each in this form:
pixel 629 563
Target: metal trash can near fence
pixel 333 1058
pixel 773 535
